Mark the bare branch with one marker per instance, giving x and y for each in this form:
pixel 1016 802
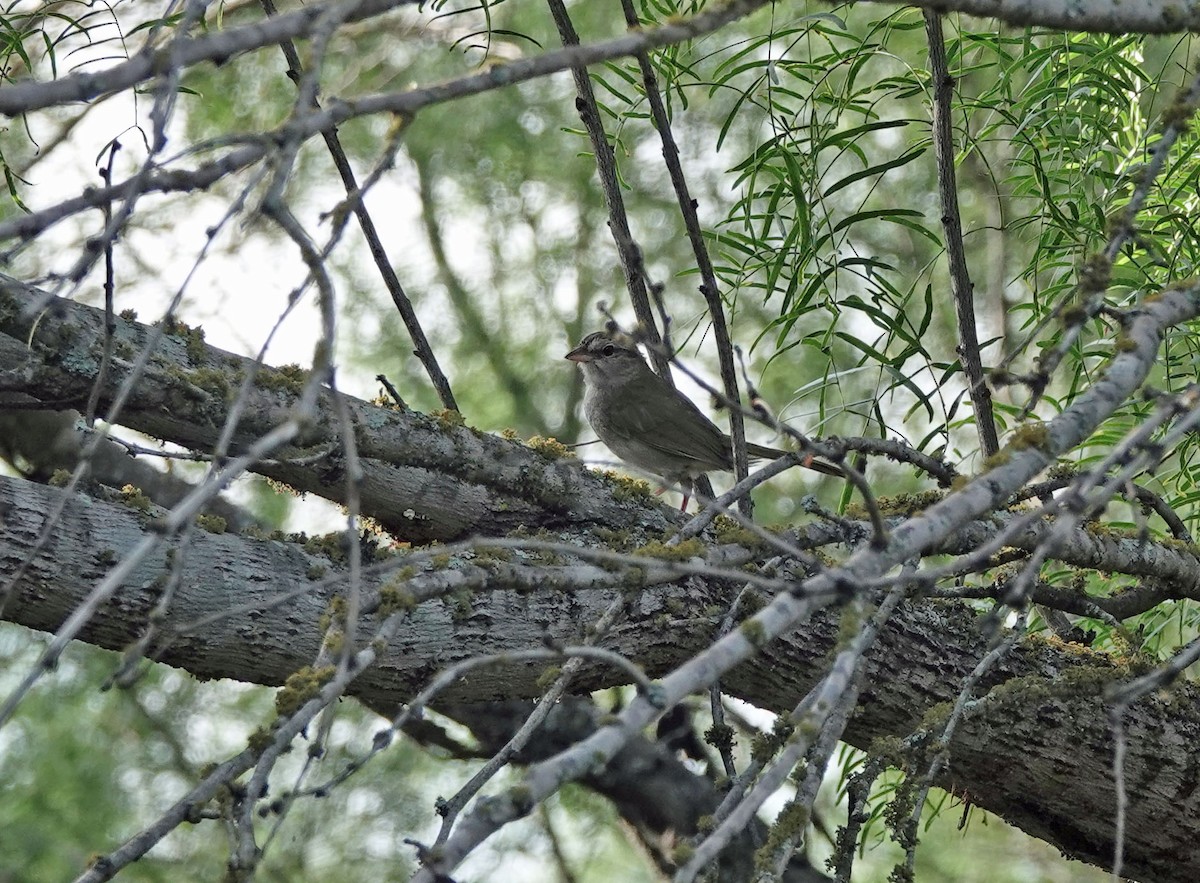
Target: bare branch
pixel 961 285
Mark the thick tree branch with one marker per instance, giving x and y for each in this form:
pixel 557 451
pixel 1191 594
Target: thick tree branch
pixel 1040 726
pixel 47 441
pixel 427 477
pixel 1125 373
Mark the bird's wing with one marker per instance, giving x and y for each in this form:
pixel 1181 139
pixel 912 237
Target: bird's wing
pixel 675 426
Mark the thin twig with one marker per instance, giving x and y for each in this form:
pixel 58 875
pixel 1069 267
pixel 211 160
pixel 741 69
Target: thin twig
pixel 942 746
pixel 1149 500
pixel 606 168
pixel 834 696
pixel 708 277
pixel 450 809
pixel 424 352
pixel 962 288
pixel 110 325
pixel 392 391
pixel 858 794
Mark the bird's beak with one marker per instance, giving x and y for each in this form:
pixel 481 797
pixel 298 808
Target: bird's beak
pixel 579 354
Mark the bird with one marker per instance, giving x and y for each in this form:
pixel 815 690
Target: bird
pixel 651 425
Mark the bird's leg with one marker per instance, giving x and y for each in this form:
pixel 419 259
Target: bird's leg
pixel 663 490
pixel 685 487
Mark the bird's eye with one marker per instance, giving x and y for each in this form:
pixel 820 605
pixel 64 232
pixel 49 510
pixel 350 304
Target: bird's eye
pixel 609 350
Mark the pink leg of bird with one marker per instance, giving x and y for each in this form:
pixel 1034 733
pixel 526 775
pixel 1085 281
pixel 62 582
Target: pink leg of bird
pixel 687 495
pixel 686 486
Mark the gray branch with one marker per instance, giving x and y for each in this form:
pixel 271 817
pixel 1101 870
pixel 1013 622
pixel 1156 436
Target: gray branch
pixel 1044 694
pixel 427 478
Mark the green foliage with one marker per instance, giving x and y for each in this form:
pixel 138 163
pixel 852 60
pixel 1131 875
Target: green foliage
pixel 806 142
pixel 958 842
pixel 131 753
pixel 55 38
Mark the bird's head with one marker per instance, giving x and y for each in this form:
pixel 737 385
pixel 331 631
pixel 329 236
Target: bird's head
pixel 608 359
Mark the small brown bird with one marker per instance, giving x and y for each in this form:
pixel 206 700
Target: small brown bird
pixel 651 425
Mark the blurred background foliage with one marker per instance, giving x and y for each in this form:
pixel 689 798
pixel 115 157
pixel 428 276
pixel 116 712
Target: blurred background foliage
pixel 805 137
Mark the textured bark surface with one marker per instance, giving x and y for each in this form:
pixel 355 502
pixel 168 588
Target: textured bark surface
pixel 1037 740
pixel 1037 749
pixel 426 477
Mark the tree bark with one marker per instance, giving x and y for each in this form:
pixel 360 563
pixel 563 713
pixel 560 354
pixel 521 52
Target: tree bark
pixel 1036 749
